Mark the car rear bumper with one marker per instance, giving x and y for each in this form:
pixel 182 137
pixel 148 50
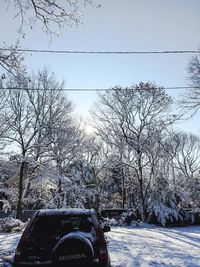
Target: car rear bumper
pixel 49 264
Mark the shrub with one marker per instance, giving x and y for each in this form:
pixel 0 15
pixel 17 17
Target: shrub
pixel 11 225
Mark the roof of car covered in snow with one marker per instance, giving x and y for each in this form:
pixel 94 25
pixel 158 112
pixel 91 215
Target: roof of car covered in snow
pixel 53 212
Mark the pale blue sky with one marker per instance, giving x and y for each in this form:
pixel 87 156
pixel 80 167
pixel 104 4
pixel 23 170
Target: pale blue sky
pixel 124 25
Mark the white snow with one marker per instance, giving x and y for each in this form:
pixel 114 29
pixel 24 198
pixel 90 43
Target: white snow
pixel 155 246
pixel 140 246
pixel 8 243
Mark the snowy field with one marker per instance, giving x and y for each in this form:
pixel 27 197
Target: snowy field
pixel 155 246
pixel 140 246
pixel 8 243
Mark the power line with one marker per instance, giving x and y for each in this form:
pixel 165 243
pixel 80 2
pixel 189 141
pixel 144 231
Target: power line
pixel 101 52
pixel 92 89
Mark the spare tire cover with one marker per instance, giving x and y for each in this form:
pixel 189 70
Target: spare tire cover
pixel 73 250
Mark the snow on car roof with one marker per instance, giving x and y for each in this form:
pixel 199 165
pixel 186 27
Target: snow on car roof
pixel 71 211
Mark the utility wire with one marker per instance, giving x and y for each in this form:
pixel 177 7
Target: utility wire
pixel 101 52
pixel 91 89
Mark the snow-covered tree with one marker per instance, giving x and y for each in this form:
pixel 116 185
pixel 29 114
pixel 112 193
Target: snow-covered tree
pixel 66 142
pixel 162 203
pixel 31 116
pixel 8 194
pixel 187 169
pixel 135 115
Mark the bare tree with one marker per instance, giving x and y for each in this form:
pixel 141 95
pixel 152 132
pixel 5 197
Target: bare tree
pixel 187 156
pixel 50 15
pixel 11 60
pixel 181 167
pixel 3 103
pixel 31 116
pixel 187 168
pixel 136 115
pixel 191 98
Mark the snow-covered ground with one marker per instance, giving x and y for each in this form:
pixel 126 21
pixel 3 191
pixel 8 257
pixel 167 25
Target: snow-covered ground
pixel 8 243
pixel 140 246
pixel 155 246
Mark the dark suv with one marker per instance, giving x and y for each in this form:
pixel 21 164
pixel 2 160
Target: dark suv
pixel 63 238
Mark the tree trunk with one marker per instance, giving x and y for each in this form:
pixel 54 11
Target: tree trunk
pixel 97 202
pixel 20 191
pixel 123 190
pixel 142 204
pixel 59 193
pixel 142 198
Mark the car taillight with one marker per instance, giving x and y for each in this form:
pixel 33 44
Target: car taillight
pixel 103 254
pixel 17 255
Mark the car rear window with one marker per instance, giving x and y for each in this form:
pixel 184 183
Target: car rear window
pixel 45 227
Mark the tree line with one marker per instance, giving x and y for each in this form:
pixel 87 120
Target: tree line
pixel 134 159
